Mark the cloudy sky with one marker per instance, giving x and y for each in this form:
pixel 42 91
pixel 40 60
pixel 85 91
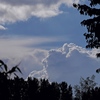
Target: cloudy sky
pixel 46 38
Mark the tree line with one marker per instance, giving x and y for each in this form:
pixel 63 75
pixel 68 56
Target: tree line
pixel 34 89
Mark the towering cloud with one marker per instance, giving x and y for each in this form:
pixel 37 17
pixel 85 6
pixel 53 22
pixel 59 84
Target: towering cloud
pixel 69 63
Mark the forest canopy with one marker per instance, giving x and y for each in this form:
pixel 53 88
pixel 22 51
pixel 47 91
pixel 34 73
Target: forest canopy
pixel 42 89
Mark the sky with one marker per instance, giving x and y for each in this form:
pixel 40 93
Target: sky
pixel 46 38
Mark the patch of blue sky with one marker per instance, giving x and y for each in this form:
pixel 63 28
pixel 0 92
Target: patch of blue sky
pixel 66 25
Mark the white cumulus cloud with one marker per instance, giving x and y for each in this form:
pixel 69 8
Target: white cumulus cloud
pixel 69 63
pixel 20 10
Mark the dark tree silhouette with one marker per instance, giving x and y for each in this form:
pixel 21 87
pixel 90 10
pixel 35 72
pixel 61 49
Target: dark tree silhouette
pixel 6 84
pixel 33 88
pixel 66 91
pixel 20 89
pixel 92 24
pixel 54 91
pixel 83 90
pixel 6 72
pixel 44 89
